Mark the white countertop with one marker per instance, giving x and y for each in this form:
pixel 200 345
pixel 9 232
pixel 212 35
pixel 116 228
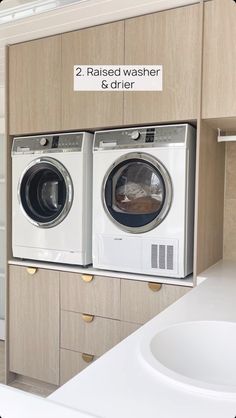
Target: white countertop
pixel 122 385
pixel 188 281
pixel 18 404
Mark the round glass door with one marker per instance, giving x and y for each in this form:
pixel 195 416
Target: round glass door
pixel 137 192
pixel 45 192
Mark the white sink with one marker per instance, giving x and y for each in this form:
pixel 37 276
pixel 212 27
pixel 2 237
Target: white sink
pixel 200 355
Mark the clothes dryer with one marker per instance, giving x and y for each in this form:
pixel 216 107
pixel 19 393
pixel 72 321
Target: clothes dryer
pixel 52 198
pixel 143 194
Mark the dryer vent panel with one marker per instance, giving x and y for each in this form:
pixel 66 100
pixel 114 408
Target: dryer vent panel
pixel 163 256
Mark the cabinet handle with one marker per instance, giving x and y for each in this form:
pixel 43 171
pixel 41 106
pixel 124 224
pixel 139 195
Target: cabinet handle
pixel 86 278
pixel 87 318
pixel 88 358
pixel 31 270
pixel 155 287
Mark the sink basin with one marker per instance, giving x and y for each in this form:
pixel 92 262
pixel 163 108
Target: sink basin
pixel 198 354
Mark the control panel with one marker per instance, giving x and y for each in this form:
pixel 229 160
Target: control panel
pixel 153 136
pixel 48 143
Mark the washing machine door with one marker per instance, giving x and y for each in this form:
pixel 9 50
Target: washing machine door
pixel 45 192
pixel 137 192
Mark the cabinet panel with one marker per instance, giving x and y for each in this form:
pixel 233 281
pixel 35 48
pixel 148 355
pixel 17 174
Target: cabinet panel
pixel 219 59
pixel 34 324
pixel 170 38
pixel 98 45
pixel 100 296
pixel 35 86
pixel 128 328
pixel 148 303
pixel 71 363
pixel 95 337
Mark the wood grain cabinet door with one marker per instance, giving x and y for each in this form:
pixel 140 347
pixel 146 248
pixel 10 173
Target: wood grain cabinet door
pixel 94 337
pixel 219 59
pixel 170 38
pixel 148 302
pixel 34 323
pixel 35 86
pixel 100 296
pixel 99 45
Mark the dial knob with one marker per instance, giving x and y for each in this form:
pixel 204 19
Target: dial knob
pixel 135 135
pixel 43 142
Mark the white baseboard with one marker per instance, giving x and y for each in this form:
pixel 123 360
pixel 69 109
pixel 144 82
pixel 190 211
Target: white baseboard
pixel 2 329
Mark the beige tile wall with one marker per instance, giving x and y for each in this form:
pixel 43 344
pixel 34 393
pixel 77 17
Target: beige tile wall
pixel 230 203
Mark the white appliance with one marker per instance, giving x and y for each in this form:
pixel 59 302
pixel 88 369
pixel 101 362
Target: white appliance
pixel 143 194
pixel 52 198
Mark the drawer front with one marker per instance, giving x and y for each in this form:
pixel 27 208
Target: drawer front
pixel 140 301
pixel 72 362
pixel 127 328
pixel 94 337
pixel 94 294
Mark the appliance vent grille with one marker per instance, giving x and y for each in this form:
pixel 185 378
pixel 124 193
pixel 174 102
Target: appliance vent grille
pixel 162 257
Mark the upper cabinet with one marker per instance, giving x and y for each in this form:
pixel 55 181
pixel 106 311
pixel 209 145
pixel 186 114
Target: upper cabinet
pixel 170 38
pixel 219 60
pixel 35 86
pixel 99 45
pixel 41 91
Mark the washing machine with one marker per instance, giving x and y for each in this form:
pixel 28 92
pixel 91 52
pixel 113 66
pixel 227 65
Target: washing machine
pixel 143 194
pixel 52 198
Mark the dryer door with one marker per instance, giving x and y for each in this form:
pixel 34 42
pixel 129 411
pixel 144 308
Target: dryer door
pixel 137 192
pixel 45 192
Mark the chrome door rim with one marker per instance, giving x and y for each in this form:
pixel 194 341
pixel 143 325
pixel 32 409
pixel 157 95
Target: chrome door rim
pixel 69 191
pixel 168 188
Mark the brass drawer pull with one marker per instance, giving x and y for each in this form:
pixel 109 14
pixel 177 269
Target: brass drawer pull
pixel 86 278
pixel 155 287
pixel 87 318
pixel 88 358
pixel 31 270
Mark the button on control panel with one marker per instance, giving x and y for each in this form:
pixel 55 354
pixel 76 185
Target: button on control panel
pixel 43 141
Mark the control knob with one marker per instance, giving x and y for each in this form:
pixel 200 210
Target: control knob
pixel 135 135
pixel 43 142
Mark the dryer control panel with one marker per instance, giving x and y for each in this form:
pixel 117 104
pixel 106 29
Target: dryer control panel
pixel 66 142
pixel 144 137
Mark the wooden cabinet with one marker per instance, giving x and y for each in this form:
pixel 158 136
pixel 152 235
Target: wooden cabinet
pixel 34 323
pixel 95 295
pixel 41 92
pixel 170 38
pixel 72 362
pixel 35 86
pixel 141 301
pixel 99 45
pixel 219 60
pixel 93 335
pixel 52 338
pixel 127 328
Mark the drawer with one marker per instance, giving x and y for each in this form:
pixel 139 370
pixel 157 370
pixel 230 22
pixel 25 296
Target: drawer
pixel 94 337
pixel 94 294
pixel 71 363
pixel 127 328
pixel 140 301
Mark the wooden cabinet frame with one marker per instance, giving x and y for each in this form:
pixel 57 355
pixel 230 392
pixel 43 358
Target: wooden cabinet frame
pixel 208 204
